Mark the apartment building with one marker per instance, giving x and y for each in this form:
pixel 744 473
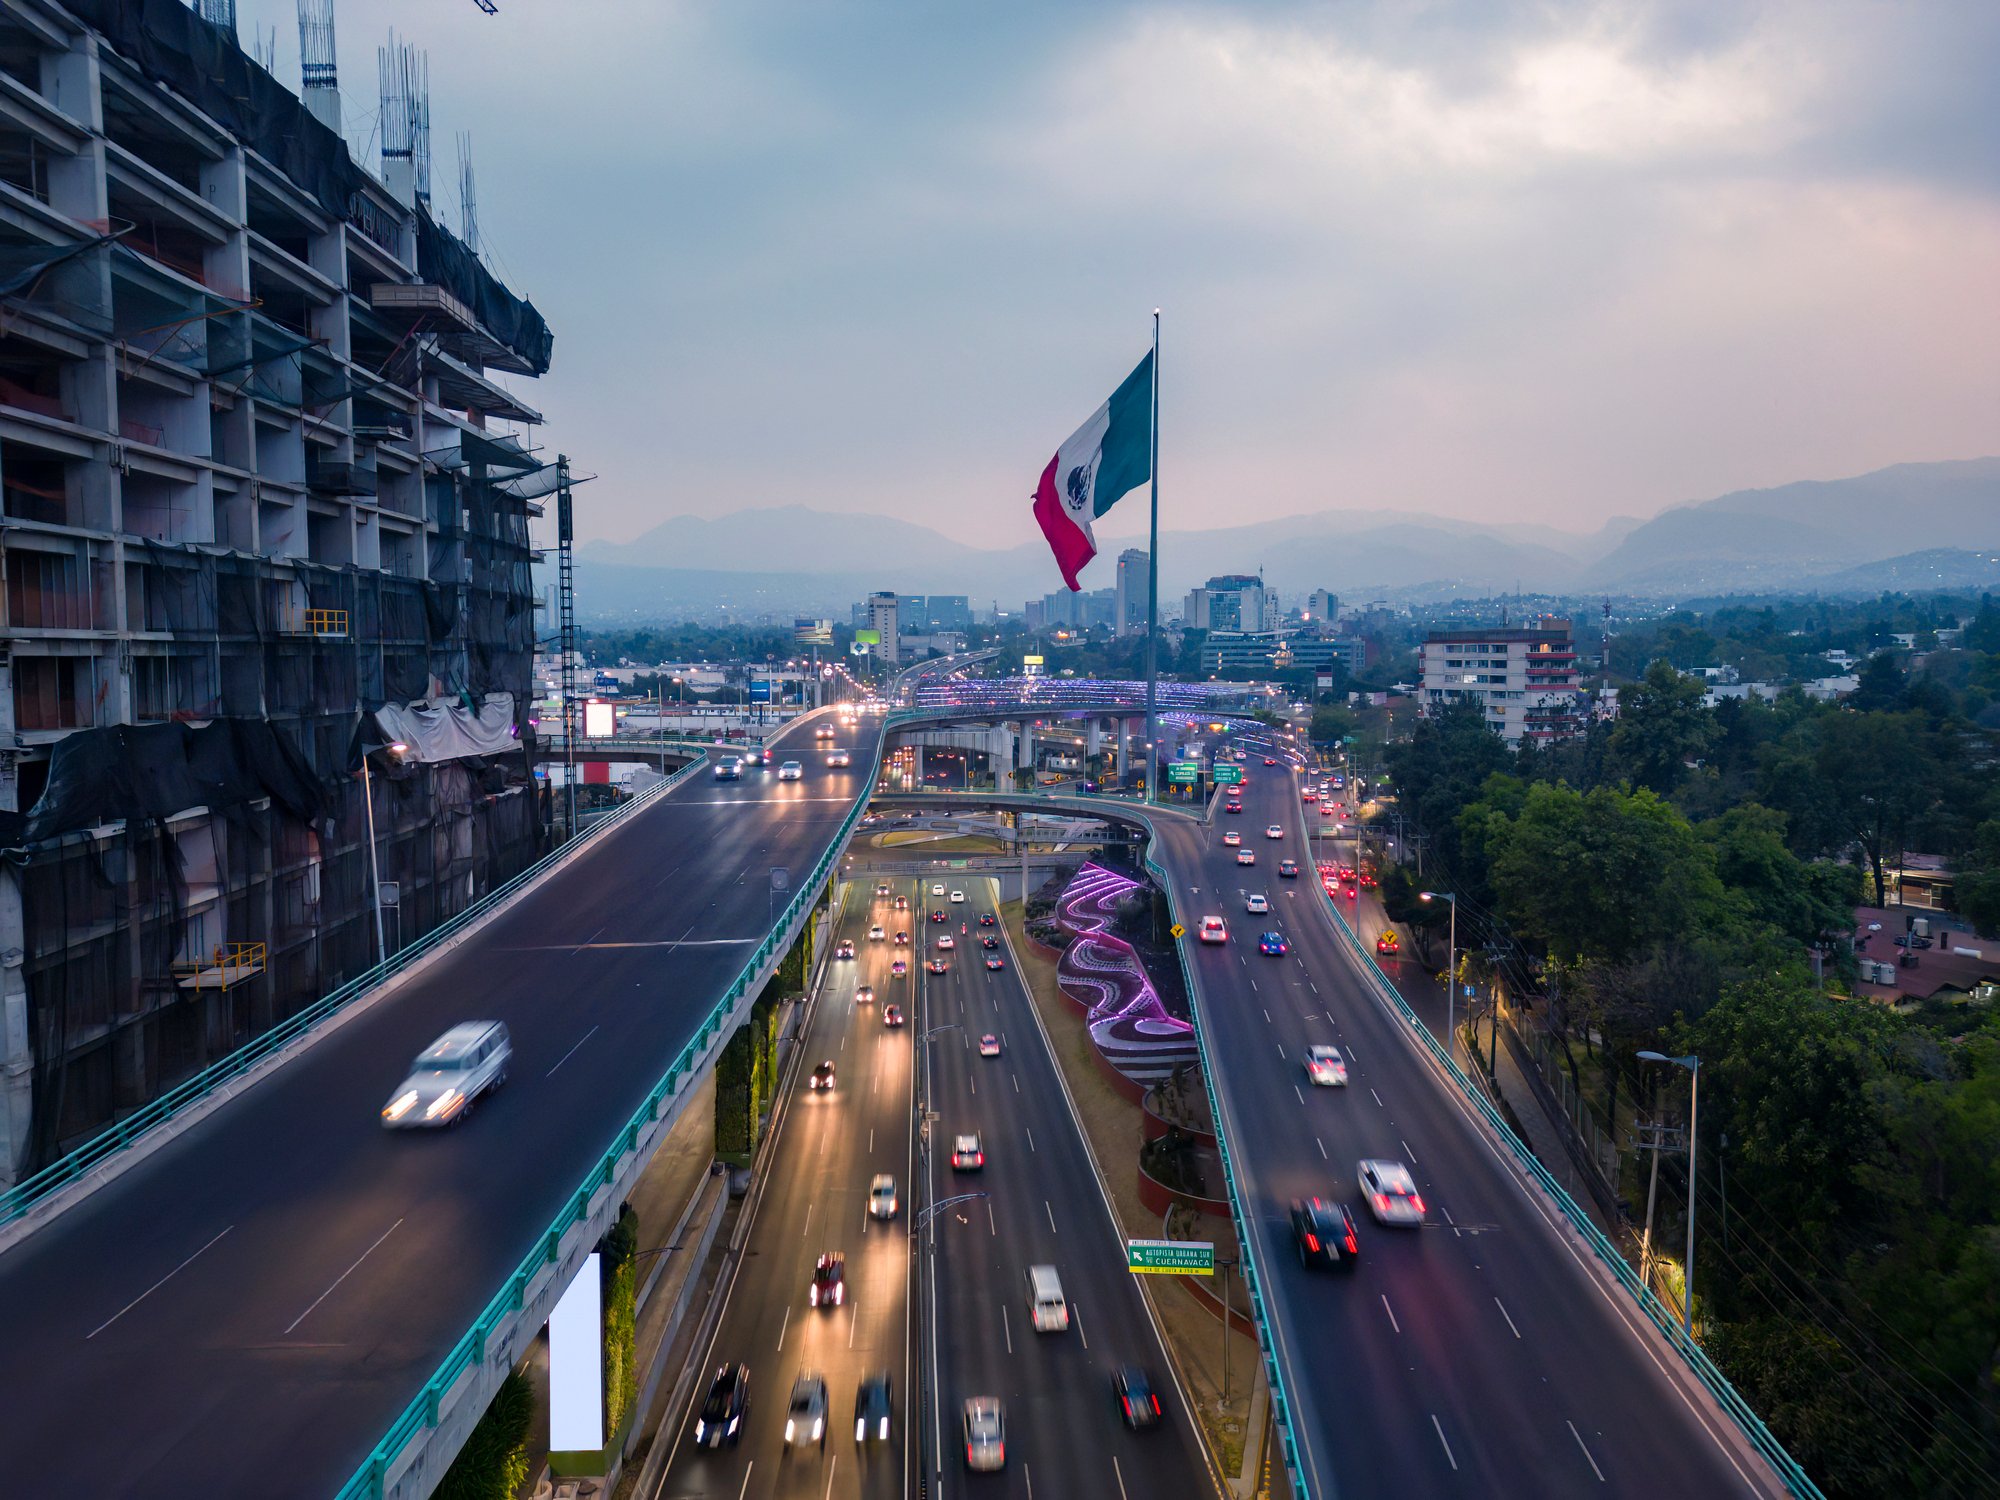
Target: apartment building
pixel 1525 679
pixel 1134 583
pixel 885 618
pixel 261 492
pixel 1233 602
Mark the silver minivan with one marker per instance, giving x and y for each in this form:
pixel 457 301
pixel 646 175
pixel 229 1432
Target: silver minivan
pixel 467 1061
pixel 1045 1300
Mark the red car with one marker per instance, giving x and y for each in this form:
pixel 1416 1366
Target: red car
pixel 1388 943
pixel 1269 761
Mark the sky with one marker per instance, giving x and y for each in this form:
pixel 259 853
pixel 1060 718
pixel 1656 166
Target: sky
pixel 1537 262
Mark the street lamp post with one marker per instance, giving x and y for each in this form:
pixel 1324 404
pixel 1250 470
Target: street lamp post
pixel 1693 1065
pixel 374 860
pixel 1450 970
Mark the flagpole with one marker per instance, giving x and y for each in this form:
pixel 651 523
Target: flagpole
pixel 1153 592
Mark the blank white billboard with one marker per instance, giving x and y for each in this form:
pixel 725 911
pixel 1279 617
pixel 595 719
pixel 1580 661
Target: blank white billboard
pixel 576 1365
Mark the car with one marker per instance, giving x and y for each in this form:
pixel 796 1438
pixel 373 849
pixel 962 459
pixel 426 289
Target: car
pixel 986 919
pixel 968 1153
pixel 1325 1066
pixel 791 770
pixel 805 1418
pixel 1288 869
pixel 1275 831
pixel 988 941
pixel 753 758
pixel 937 890
pixel 989 1045
pixel 1388 942
pixel 1323 1233
pixel 1212 930
pixel 882 1197
pixel 729 768
pixel 839 758
pixel 946 941
pixel 864 994
pixel 937 916
pixel 1138 1402
pixel 1246 856
pixel 822 731
pixel 1328 810
pixel 902 938
pixel 1308 795
pixel 1270 760
pixel 822 1077
pixel 995 961
pixel 892 1015
pixel 957 898
pixel 721 1419
pixel 1390 1191
pixel 844 948
pixel 872 1409
pixel 902 903
pixel 1368 880
pixel 829 1283
pixel 985 1435
pixel 875 932
pixel 936 965
pixel 1232 806
pixel 1340 781
pixel 449 1075
pixel 1273 944
pixel 881 890
pixel 1256 904
pixel 900 969
pixel 1232 839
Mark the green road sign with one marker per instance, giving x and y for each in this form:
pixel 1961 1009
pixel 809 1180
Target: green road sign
pixel 1183 772
pixel 1227 775
pixel 1170 1257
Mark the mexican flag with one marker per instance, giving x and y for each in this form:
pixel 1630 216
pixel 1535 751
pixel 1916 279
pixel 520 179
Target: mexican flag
pixel 1103 460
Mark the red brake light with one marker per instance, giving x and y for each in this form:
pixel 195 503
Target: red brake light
pixel 1382 1203
pixel 1312 1243
pixel 980 1157
pixel 1128 1404
pixel 1156 1406
pixel 1351 1246
pixel 1418 1200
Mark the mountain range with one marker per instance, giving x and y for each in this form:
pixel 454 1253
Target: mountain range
pixel 1908 526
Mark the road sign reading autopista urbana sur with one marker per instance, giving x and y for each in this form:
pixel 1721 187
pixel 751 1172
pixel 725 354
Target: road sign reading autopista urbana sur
pixel 1170 1257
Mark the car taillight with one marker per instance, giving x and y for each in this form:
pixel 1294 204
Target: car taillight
pixel 1351 1246
pixel 1312 1243
pixel 1128 1406
pixel 1156 1406
pixel 1418 1201
pixel 979 1157
pixel 1381 1203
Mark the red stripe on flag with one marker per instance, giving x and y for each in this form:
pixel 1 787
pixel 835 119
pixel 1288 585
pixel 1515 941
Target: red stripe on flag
pixel 1072 548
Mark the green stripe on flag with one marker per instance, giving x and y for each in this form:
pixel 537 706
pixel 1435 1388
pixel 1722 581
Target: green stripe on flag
pixel 1128 442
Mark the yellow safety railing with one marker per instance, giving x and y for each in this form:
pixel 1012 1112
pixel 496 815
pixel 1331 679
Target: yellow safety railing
pixel 226 964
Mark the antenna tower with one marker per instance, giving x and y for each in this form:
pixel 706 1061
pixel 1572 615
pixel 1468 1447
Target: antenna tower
pixel 316 58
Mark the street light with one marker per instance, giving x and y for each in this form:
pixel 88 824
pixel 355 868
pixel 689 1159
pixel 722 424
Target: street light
pixel 1450 968
pixel 1693 1065
pixel 374 861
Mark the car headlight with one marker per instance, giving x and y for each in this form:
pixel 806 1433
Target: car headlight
pixel 400 1106
pixel 819 1426
pixel 788 1429
pixel 441 1104
pixel 700 1431
pixel 860 1428
pixel 885 1427
pixel 734 1423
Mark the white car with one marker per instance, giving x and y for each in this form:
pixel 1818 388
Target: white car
pixel 839 758
pixel 875 932
pixel 1274 832
pixel 1257 906
pixel 467 1061
pixel 1232 839
pixel 1246 856
pixel 957 897
pixel 805 1418
pixel 947 942
pixel 1326 1067
pixel 1391 1192
pixel 989 1045
pixel 791 770
pixel 882 1197
pixel 1213 930
pixel 937 890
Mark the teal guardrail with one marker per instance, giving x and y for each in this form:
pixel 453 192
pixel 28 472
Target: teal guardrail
pixel 23 1197
pixel 470 1350
pixel 1668 1322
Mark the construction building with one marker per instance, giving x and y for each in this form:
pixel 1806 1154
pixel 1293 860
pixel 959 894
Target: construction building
pixel 263 505
pixel 1524 680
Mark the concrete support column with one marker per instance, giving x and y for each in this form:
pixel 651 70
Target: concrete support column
pixel 1124 749
pixel 918 751
pixel 1027 746
pixel 16 1061
pixel 1093 737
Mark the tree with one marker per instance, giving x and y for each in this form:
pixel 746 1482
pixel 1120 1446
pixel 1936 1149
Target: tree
pixel 1662 725
pixel 1878 773
pixel 1331 724
pixel 1601 875
pixel 1767 883
pixel 1977 880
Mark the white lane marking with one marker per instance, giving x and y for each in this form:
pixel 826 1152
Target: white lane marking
pixel 1031 1138
pixel 1447 1446
pixel 990 1224
pixel 1052 1215
pixel 746 1479
pixel 1030 1483
pixel 784 1323
pixel 1302 1097
pixel 973 1081
pixel 1515 1331
pixel 1408 1153
pixel 1253 986
pixel 1119 1474
pixel 1281 1049
pixel 1378 1098
pixel 1007 1327
pixel 809 1222
pixel 154 1288
pixel 831 1465
pixel 343 1276
pixel 871 1140
pixel 853 1322
pixel 1315 990
pixel 1017 1081
pixel 1322 1149
pixel 1586 1452
pixel 1076 1317
pixel 1267 1015
pixel 1392 1315
pixel 567 1055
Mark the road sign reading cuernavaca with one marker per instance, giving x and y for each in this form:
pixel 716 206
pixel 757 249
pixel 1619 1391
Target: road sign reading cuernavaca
pixel 1170 1257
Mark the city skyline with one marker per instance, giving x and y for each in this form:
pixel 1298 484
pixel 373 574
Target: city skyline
pixel 1545 265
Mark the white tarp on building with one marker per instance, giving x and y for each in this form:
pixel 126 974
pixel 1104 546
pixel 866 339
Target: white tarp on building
pixel 445 729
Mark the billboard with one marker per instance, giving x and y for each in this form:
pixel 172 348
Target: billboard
pixel 576 1365
pixel 760 690
pixel 600 721
pixel 868 637
pixel 812 632
pixel 1031 666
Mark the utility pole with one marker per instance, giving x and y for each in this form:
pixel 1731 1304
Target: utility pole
pixel 566 637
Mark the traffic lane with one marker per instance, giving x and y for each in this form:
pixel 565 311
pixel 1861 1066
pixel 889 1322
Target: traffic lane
pixel 1043 1207
pixel 301 1161
pixel 1601 1377
pixel 816 1199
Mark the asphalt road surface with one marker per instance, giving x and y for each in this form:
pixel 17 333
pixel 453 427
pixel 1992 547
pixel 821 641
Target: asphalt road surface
pixel 1482 1354
pixel 1042 1207
pixel 246 1312
pixel 829 1148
